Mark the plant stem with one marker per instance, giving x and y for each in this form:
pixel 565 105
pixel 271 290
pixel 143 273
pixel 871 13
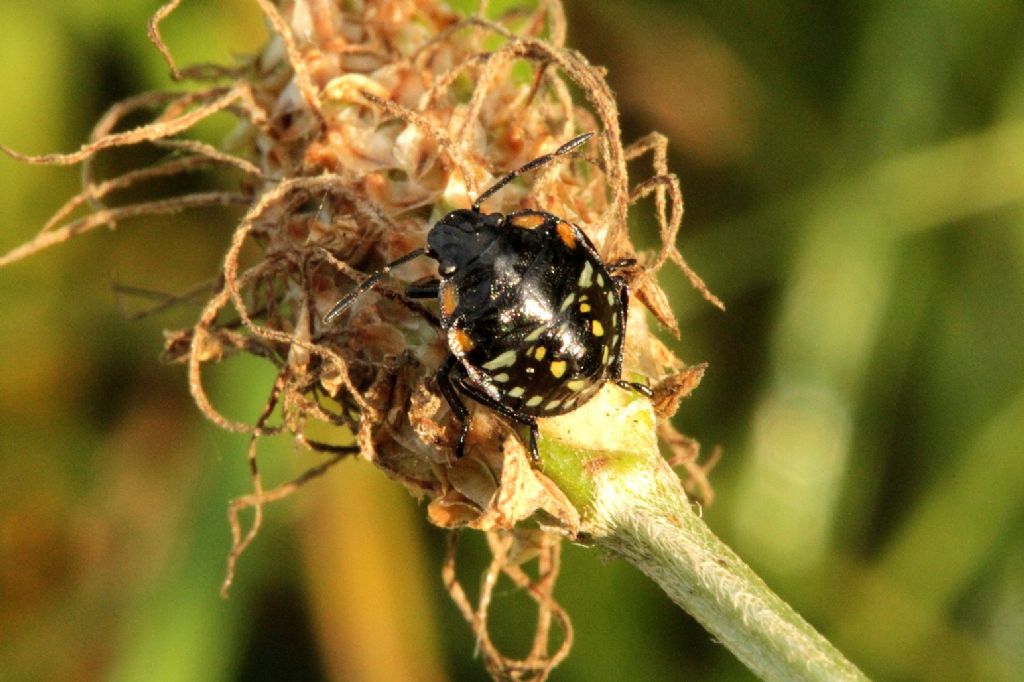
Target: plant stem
pixel 674 547
pixel 632 504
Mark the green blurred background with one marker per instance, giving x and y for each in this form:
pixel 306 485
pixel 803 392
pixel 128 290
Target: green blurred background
pixel 854 177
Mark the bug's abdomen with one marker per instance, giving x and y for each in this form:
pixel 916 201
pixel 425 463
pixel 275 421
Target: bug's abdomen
pixel 556 351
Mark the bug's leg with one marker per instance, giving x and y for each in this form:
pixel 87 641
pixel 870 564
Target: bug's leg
pixel 369 282
pixel 424 288
pixel 621 264
pixel 462 381
pixel 534 434
pixel 617 362
pixel 623 290
pixel 451 396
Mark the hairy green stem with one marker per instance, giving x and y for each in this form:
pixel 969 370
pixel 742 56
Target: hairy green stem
pixel 632 504
pixel 672 545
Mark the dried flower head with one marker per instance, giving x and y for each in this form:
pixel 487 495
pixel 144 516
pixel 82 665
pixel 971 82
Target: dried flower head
pixel 360 124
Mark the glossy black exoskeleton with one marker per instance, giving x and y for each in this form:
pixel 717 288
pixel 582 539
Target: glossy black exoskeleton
pixel 535 320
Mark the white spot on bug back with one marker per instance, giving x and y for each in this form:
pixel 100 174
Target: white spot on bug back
pixel 586 277
pixel 516 392
pixel 568 301
pixel 552 405
pixel 506 359
pixel 534 401
pixel 502 378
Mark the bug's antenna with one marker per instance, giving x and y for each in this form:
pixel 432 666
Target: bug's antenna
pixel 539 161
pixel 368 283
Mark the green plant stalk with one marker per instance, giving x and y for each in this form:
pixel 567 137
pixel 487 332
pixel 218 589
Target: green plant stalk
pixel 673 547
pixel 632 504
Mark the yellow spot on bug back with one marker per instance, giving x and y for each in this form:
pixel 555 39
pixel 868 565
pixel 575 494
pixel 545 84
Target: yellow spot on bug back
pixel 567 302
pixel 502 378
pixel 461 339
pixel 540 352
pixel 557 368
pixel 552 405
pixel 506 359
pixel 584 307
pixel 516 392
pixel 600 280
pixel 598 328
pixel 577 384
pixel 604 356
pixel 534 401
pixel 611 299
pixel 528 221
pixel 534 335
pixel 566 234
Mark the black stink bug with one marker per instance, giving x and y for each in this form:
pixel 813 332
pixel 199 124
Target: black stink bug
pixel 535 320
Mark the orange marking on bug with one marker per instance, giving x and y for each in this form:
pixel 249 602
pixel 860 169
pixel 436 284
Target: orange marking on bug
pixel 462 340
pixel 566 234
pixel 449 300
pixel 528 221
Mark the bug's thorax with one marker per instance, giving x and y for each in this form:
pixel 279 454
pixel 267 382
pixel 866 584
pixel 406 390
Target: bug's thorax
pixel 461 237
pixel 485 269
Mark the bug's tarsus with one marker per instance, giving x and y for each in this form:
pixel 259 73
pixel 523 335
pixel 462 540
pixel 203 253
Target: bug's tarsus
pixel 536 163
pixel 642 389
pixel 369 283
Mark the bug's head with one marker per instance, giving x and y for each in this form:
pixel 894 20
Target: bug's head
pixel 457 239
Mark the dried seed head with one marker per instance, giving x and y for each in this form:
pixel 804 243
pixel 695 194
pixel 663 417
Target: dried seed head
pixel 361 124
